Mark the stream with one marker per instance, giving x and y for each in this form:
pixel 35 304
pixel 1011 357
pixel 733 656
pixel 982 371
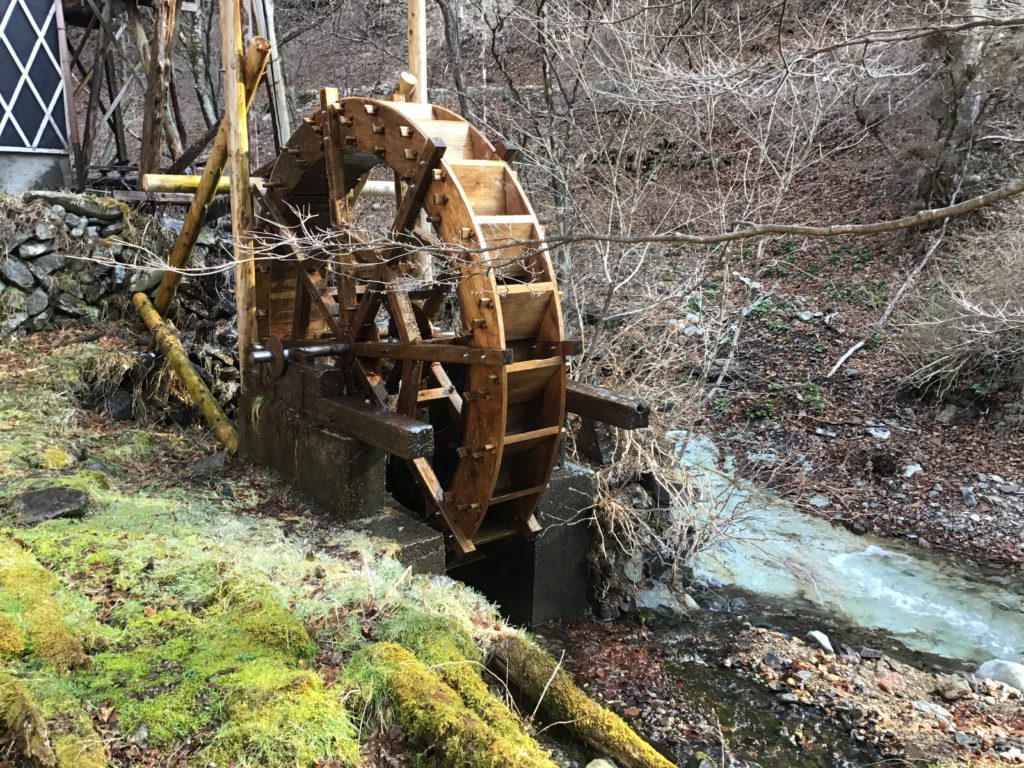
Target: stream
pixel 932 605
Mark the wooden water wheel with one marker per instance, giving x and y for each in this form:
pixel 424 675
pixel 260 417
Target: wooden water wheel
pixel 459 358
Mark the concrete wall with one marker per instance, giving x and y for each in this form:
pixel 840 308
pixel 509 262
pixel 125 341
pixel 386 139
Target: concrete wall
pixel 22 171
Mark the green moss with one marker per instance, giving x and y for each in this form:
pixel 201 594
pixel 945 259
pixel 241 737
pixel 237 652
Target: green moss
pixel 561 700
pixel 432 715
pixel 12 637
pixel 27 600
pixel 237 671
pixel 448 649
pixel 55 457
pixel 22 721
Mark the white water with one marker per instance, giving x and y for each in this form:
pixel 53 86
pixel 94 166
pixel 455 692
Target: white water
pixel 929 603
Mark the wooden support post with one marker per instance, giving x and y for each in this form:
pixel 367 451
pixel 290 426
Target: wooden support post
pixel 155 105
pixel 177 358
pixel 237 128
pixel 263 18
pixel 417 28
pixel 255 61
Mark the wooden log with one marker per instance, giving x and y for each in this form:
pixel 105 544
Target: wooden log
pixel 255 61
pixel 161 48
pixel 236 124
pixel 182 366
pixel 606 406
pixel 159 198
pixel 561 701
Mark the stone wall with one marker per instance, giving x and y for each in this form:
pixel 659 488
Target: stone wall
pixel 68 258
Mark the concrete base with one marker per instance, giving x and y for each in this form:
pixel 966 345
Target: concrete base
pixel 545 578
pixel 418 545
pixel 337 472
pixel 22 171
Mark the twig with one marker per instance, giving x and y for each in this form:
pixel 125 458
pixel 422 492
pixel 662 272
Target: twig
pixel 547 685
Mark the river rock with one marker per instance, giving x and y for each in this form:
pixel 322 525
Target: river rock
pixel 819 501
pixel 81 205
pixel 49 504
pixel 821 640
pixel 601 763
pixel 45 231
pixel 37 301
pixel 1007 672
pixel 35 248
pixel 16 273
pixel 953 688
pixel 970 500
pixel 660 601
pixel 120 406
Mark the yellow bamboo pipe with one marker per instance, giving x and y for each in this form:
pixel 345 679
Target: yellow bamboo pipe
pixel 255 63
pixel 181 365
pixel 170 182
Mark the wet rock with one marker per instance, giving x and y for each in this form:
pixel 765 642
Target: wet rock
pixel 35 248
pixel 79 204
pixel 821 640
pixel 49 504
pixel 1007 672
pixel 953 688
pixel 120 406
pixel 601 763
pixel 45 231
pixel 870 654
pixel 689 603
pixel 819 501
pixel 16 273
pixel 112 229
pixel 738 605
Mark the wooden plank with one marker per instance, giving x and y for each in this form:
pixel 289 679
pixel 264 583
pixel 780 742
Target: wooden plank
pixel 428 481
pixel 606 406
pixel 412 201
pixel 536 490
pixel 454 133
pixel 523 311
pixel 484 185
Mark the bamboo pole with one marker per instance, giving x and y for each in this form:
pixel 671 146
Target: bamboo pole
pixel 181 365
pixel 417 28
pixel 255 61
pixel 173 182
pixel 236 126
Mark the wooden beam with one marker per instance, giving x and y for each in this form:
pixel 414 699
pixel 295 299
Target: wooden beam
pixel 606 406
pixel 255 61
pixel 416 192
pixel 161 48
pixel 398 435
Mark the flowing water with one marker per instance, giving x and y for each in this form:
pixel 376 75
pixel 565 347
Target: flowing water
pixel 931 604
